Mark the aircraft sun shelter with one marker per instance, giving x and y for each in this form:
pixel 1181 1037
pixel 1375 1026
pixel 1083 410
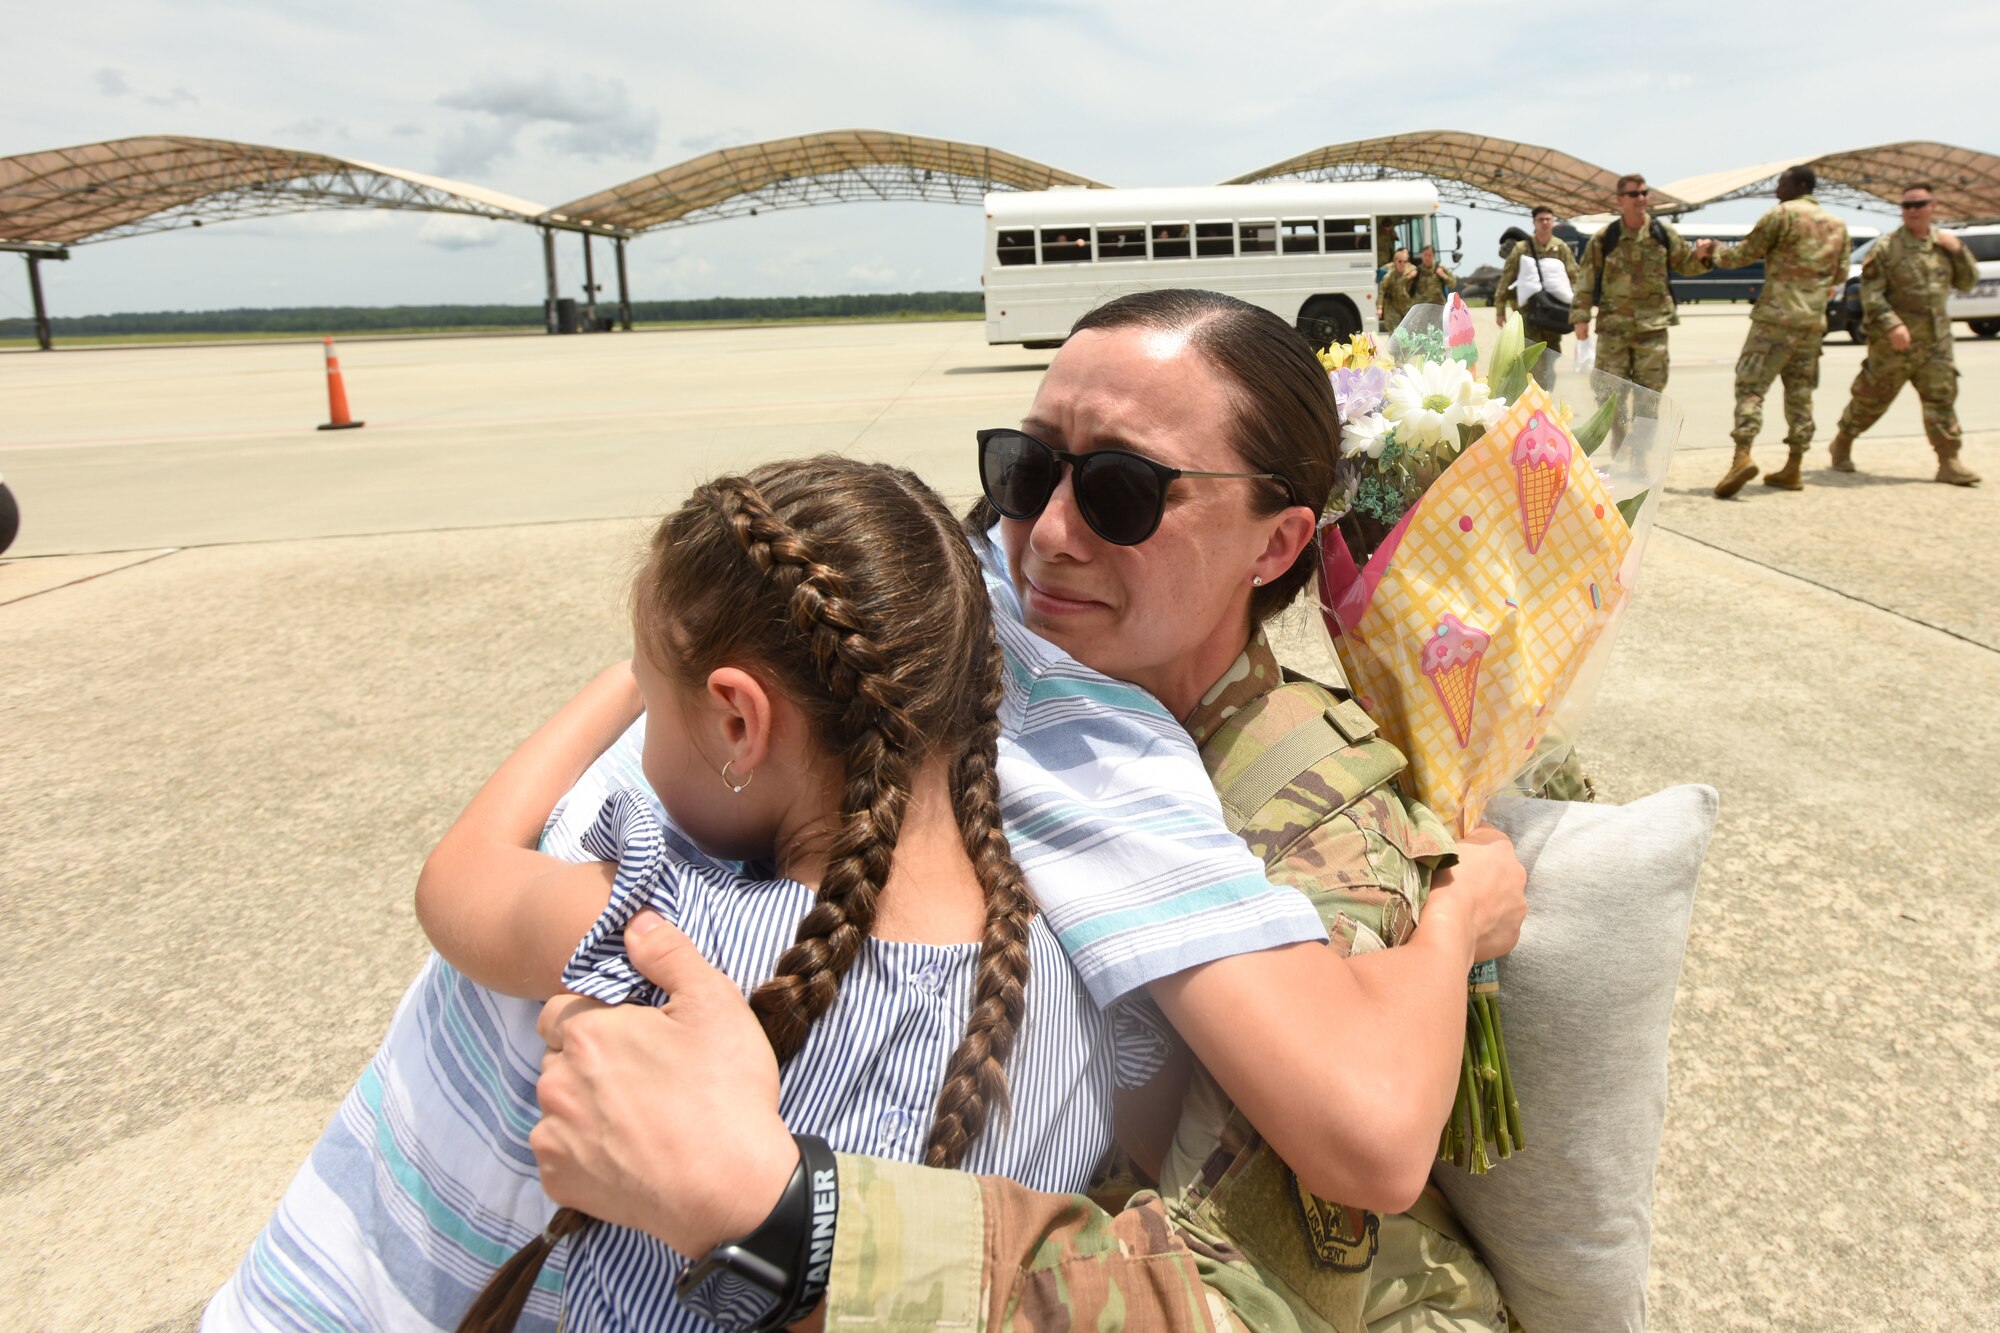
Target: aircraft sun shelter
pixel 58 198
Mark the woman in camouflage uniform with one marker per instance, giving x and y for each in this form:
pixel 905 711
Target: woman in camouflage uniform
pixel 1195 381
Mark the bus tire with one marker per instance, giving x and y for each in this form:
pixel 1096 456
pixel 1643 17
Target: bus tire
pixel 1986 328
pixel 1328 319
pixel 10 517
pixel 1855 333
pixel 1044 344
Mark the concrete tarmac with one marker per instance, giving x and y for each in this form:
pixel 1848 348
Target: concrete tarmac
pixel 252 669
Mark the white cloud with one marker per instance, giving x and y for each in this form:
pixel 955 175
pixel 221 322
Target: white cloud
pixel 593 119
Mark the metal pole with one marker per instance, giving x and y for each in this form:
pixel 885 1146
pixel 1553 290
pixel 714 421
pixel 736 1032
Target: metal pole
pixel 549 264
pixel 589 286
pixel 41 310
pixel 624 291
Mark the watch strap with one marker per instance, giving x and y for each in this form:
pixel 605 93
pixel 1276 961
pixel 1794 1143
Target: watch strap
pixel 776 1274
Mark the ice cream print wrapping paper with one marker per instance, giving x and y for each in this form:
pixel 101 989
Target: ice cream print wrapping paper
pixel 1474 558
pixel 1501 581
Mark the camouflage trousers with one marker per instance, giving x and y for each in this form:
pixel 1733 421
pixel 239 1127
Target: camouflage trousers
pixel 1790 355
pixel 1639 357
pixel 1929 366
pixel 1392 315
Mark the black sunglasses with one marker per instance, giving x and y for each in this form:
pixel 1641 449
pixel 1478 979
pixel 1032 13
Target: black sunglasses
pixel 1120 494
pixel 1917 203
pixel 1633 194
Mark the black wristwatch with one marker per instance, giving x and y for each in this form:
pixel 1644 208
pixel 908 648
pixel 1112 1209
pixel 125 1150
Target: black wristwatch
pixel 776 1275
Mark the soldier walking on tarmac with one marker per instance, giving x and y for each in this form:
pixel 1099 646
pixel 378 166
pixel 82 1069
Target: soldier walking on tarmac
pixel 1903 291
pixel 1804 249
pixel 1394 296
pixel 1625 270
pixel 1431 280
pixel 1545 318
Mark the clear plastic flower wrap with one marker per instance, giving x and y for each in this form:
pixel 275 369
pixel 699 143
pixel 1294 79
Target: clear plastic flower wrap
pixel 1481 547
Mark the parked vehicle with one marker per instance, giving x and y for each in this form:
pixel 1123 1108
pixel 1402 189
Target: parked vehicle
pixel 1307 252
pixel 1979 308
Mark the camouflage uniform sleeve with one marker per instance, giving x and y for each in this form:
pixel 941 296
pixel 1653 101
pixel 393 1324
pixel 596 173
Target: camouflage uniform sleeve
pixel 1756 245
pixel 917 1248
pixel 1446 278
pixel 1503 294
pixel 1964 273
pixel 1878 317
pixel 1570 265
pixel 1681 256
pixel 1589 268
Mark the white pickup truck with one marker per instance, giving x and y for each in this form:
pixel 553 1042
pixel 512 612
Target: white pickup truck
pixel 1979 307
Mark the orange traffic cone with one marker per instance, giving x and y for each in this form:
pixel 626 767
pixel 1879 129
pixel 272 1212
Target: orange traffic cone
pixel 336 395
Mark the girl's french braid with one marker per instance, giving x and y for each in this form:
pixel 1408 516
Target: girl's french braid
pixel 876 790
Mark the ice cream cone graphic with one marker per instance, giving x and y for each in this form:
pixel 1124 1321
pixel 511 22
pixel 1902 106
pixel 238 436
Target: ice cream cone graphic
pixel 1541 474
pixel 1450 661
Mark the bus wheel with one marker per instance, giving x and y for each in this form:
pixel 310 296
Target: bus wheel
pixel 1329 319
pixel 1043 345
pixel 1855 333
pixel 1986 328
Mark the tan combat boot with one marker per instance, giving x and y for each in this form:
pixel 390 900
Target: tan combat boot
pixel 1954 473
pixel 1787 477
pixel 1842 451
pixel 1741 470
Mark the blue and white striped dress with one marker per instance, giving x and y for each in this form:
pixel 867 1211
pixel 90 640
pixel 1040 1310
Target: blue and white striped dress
pixel 868 1076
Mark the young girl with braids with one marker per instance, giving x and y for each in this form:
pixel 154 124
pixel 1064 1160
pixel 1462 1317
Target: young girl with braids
pixel 821 684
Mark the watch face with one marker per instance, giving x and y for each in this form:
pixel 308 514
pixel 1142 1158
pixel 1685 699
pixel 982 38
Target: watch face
pixel 718 1288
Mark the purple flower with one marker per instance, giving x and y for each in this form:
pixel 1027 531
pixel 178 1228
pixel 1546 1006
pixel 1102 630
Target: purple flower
pixel 1360 392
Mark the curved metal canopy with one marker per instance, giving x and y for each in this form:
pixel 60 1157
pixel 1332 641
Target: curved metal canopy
pixel 811 169
pixel 1473 169
pixel 1966 180
pixel 127 187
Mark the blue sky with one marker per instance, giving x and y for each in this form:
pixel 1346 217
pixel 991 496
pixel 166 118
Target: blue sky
pixel 553 102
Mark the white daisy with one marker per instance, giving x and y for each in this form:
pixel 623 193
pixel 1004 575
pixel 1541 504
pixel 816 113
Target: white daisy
pixel 1429 401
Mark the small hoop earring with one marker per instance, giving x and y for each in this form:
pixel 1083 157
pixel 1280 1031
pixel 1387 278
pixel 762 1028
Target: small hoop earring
pixel 730 782
pixel 1256 580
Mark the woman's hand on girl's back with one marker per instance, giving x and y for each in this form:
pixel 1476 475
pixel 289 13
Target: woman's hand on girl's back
pixel 1490 886
pixel 664 1119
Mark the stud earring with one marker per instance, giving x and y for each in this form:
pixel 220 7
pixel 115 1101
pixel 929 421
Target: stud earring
pixel 730 782
pixel 1256 580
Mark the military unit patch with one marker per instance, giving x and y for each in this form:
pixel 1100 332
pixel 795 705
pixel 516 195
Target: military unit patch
pixel 1336 1236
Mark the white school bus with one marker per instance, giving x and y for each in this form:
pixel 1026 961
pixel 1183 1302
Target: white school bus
pixel 1307 252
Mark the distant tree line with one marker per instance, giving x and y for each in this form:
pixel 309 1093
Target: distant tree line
pixel 364 319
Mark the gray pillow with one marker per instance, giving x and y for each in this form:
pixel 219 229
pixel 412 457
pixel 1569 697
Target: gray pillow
pixel 1587 997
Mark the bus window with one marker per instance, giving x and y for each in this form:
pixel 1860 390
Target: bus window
pixel 1257 238
pixel 1346 235
pixel 1302 238
pixel 1214 238
pixel 1017 247
pixel 1121 242
pixel 1065 245
pixel 1170 241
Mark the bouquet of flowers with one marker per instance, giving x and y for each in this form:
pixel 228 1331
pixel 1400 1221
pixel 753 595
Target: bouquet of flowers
pixel 1480 547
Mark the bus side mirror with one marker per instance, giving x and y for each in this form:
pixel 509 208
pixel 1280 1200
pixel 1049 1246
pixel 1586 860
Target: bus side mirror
pixel 1457 255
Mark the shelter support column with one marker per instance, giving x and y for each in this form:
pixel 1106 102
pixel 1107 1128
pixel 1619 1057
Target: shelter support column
pixel 41 310
pixel 589 286
pixel 549 266
pixel 624 288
